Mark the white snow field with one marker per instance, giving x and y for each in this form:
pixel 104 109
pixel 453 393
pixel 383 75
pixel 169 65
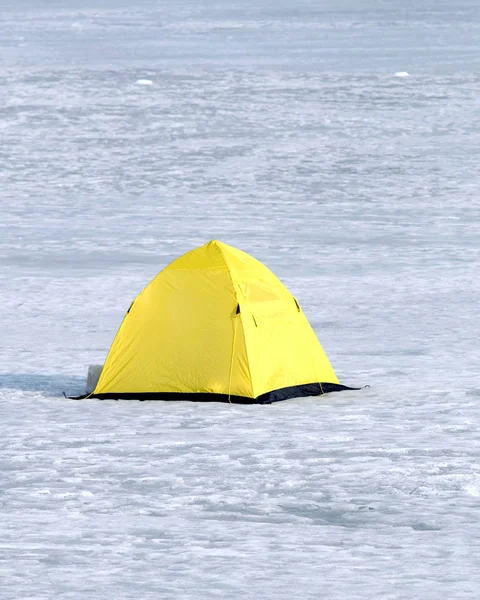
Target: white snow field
pixel 280 128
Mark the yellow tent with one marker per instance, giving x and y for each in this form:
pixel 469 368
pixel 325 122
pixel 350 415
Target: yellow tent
pixel 215 324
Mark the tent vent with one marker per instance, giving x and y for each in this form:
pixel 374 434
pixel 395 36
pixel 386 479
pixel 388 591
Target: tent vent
pixel 297 304
pixel 130 307
pixel 238 309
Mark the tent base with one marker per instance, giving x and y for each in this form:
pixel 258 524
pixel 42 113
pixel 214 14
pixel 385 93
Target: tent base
pixel 296 391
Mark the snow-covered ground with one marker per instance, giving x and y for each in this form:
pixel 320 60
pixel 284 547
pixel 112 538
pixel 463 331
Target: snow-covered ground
pixel 284 131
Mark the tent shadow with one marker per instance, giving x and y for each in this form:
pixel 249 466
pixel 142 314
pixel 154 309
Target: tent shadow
pixel 47 385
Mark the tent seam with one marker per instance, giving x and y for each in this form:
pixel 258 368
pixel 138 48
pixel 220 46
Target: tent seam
pixel 236 316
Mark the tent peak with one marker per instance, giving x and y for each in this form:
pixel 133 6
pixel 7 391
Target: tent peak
pixel 216 243
pixel 222 248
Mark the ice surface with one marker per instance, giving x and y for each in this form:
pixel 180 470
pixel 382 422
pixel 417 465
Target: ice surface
pixel 280 130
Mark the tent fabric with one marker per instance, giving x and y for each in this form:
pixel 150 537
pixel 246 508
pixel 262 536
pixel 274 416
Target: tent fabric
pixel 215 324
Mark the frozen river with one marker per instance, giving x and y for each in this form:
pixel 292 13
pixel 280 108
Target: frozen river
pixel 129 135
